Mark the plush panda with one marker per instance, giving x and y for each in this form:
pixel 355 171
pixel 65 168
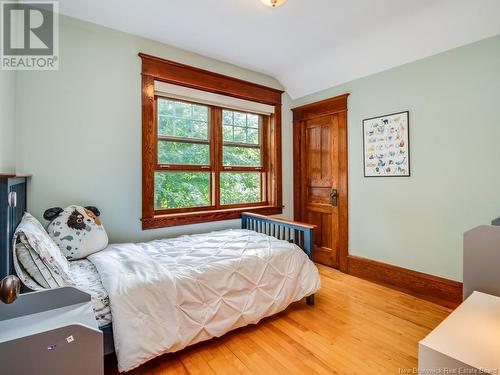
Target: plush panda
pixel 77 230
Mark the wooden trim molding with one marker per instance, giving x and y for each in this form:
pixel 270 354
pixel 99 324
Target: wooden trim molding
pixel 429 287
pixel 200 79
pixel 148 146
pixel 321 108
pixel 157 69
pixel 163 221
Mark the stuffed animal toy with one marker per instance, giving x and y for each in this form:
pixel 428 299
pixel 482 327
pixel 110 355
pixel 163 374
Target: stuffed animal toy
pixel 77 230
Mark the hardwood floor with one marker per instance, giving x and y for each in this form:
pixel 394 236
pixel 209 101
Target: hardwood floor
pixel 356 327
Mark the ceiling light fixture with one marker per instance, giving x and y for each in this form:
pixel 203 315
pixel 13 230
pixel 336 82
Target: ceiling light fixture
pixel 274 3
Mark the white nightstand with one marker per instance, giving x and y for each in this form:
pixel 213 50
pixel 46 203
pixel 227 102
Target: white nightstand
pixel 465 342
pixel 51 332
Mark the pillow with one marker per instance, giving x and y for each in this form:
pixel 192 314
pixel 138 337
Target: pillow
pixel 36 255
pixel 77 230
pixel 40 276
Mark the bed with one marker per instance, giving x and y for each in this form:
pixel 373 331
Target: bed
pixel 162 296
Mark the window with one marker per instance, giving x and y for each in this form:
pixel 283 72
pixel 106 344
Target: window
pixel 184 146
pixel 190 172
pixel 202 160
pixel 242 134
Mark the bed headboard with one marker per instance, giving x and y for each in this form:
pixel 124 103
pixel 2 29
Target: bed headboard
pixel 301 234
pixel 12 208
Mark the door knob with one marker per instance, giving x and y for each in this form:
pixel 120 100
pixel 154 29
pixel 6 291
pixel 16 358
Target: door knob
pixel 334 195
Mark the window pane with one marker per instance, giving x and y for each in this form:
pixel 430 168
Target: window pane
pixel 241 156
pixel 181 189
pixel 183 153
pixel 199 130
pixel 227 132
pixel 182 128
pixel 182 110
pixel 227 117
pixel 200 113
pixel 240 119
pixel 253 120
pixel 253 136
pixel 166 125
pixel 185 120
pixel 240 127
pixel 166 107
pixel 240 134
pixel 244 187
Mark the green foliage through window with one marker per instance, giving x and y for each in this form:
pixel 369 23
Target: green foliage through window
pixel 181 190
pixel 179 119
pixel 241 156
pixel 183 153
pixel 236 188
pixel 238 127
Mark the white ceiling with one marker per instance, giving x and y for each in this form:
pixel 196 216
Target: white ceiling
pixel 308 45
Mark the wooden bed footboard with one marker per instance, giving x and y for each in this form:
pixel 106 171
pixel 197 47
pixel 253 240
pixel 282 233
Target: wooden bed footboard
pixel 301 234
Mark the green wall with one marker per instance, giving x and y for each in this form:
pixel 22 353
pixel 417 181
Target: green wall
pixel 7 123
pixel 78 132
pixel 454 104
pixel 79 128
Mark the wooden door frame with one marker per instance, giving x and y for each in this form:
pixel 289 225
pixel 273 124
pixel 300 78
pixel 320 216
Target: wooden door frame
pixel 331 106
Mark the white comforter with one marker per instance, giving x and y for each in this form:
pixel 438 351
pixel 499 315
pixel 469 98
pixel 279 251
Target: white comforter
pixel 168 294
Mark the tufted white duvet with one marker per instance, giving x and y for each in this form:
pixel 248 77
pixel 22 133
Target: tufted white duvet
pixel 168 294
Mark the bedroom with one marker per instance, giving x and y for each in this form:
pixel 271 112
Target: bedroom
pixel 94 130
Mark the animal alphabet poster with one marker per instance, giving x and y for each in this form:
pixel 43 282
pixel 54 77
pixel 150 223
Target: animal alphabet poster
pixel 386 148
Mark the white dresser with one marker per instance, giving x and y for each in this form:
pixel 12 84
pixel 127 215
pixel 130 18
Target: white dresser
pixel 467 341
pixel 50 332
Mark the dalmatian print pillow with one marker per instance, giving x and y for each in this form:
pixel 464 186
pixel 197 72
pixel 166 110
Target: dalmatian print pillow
pixel 77 230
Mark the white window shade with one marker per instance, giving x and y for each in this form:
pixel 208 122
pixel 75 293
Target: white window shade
pixel 205 97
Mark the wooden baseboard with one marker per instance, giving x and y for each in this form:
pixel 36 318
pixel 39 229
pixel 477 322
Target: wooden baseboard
pixel 432 288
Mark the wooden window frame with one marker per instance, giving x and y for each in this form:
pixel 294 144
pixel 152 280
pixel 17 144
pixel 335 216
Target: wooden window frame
pixel 157 69
pixel 262 169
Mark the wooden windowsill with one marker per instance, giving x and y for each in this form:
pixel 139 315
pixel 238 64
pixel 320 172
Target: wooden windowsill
pixel 170 220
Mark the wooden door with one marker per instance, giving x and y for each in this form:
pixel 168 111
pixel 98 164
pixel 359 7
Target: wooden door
pixel 321 182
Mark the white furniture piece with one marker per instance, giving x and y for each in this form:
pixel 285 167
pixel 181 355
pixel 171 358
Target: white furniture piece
pixel 482 259
pixel 51 332
pixel 467 341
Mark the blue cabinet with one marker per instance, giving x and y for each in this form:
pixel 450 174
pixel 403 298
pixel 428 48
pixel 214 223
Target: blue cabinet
pixel 12 208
